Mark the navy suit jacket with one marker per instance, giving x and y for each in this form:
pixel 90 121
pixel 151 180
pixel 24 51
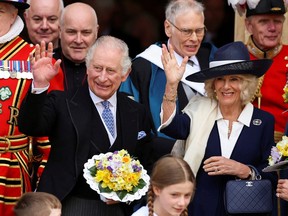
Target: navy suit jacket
pixel 76 132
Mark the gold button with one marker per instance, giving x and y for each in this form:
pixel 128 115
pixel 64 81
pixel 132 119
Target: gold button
pixel 0 111
pixel 0 105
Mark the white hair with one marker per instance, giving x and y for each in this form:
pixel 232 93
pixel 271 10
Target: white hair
pixel 112 43
pixel 178 7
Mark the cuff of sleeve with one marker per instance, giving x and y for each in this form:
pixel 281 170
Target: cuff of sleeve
pixel 38 90
pixel 165 124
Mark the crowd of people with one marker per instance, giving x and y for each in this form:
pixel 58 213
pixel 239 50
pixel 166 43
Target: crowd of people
pixel 194 113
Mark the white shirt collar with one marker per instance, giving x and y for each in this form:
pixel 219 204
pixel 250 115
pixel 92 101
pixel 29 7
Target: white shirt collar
pixel 96 99
pixel 245 116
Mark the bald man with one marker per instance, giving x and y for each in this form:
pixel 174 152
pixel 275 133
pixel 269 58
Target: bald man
pixel 78 31
pixel 42 20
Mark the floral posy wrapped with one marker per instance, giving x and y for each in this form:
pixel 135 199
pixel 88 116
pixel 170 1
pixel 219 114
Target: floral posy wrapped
pixel 117 175
pixel 278 159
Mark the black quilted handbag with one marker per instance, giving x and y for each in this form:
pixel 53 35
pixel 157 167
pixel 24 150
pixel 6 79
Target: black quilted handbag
pixel 249 196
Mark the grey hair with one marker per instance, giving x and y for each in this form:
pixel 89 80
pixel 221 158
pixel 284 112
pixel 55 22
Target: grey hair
pixel 110 42
pixel 61 5
pixel 177 7
pixel 248 88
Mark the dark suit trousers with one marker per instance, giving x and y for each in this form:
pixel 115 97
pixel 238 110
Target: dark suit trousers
pixel 76 206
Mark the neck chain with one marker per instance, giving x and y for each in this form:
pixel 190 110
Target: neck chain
pixel 229 127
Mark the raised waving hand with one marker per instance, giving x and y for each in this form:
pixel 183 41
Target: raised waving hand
pixel 173 71
pixel 43 69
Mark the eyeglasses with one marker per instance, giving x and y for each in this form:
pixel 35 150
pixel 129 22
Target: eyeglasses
pixel 188 32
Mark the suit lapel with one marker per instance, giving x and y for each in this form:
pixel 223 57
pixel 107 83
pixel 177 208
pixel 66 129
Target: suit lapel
pixel 87 122
pixel 99 136
pixel 80 111
pixel 126 123
pixel 80 107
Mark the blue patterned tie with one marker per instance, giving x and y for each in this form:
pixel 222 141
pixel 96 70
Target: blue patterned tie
pixel 108 117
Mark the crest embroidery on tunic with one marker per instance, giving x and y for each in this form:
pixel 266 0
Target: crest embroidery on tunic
pixel 5 93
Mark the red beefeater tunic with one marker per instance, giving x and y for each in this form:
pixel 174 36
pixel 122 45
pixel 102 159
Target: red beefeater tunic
pixel 14 173
pixel 274 81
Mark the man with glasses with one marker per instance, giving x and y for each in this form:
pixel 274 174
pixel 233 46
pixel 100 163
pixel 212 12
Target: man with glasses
pixel 188 32
pixel 185 29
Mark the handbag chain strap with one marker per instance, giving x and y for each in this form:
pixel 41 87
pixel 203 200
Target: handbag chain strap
pixel 256 173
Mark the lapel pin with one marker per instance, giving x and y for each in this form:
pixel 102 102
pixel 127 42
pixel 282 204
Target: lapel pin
pixel 257 122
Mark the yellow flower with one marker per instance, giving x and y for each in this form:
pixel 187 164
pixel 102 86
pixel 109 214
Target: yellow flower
pixel 282 146
pixel 118 171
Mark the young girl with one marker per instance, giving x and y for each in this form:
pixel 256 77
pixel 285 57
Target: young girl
pixel 172 186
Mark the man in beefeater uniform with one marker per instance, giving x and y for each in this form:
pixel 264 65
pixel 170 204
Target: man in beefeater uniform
pixel 265 24
pixel 14 83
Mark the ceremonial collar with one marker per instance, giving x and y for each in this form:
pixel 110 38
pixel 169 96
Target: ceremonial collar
pixel 14 31
pixel 260 54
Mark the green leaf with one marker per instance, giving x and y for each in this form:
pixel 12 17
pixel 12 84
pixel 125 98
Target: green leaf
pixel 104 190
pixel 93 171
pixel 141 184
pixel 121 194
pixel 135 189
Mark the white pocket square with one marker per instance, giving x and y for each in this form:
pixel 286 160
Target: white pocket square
pixel 141 134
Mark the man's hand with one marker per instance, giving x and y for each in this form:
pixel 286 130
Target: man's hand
pixel 41 64
pixel 173 71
